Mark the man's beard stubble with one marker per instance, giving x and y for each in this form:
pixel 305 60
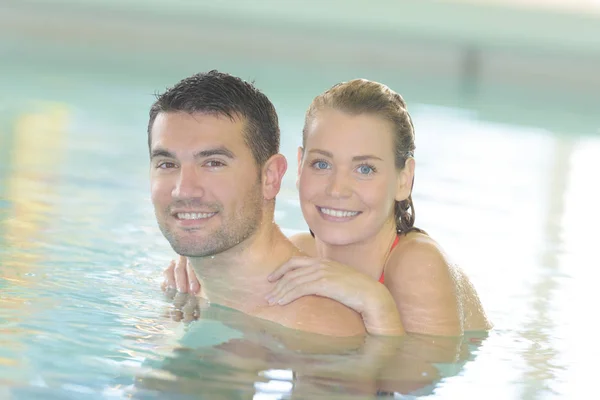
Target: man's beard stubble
pixel 233 229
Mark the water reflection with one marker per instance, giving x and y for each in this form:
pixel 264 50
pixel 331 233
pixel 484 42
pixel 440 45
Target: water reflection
pixel 33 148
pixel 542 355
pixel 223 353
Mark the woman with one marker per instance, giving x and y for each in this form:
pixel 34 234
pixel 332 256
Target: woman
pixel 355 177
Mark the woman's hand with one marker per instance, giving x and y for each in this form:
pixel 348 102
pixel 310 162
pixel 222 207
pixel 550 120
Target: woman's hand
pixel 180 275
pixel 185 307
pixel 179 279
pixel 303 276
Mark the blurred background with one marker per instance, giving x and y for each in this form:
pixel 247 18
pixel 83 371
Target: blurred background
pixel 505 96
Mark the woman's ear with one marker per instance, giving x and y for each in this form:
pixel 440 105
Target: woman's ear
pixel 405 180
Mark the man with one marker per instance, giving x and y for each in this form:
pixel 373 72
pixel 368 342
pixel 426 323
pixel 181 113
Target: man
pixel 215 172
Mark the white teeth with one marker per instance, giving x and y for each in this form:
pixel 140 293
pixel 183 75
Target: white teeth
pixel 194 215
pixel 338 213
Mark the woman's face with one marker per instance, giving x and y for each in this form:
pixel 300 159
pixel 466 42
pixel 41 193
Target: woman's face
pixel 347 178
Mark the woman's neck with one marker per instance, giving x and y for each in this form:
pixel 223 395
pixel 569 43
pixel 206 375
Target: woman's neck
pixel 368 256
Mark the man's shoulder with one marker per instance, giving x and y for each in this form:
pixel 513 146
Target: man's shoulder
pixel 319 315
pixel 305 242
pixel 329 317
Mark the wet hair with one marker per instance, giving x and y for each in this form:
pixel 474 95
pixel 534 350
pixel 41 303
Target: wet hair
pixel 221 94
pixel 361 96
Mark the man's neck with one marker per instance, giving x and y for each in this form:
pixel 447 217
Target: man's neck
pixel 237 278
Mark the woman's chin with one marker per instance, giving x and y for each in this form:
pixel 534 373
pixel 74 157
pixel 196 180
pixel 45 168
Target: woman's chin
pixel 337 238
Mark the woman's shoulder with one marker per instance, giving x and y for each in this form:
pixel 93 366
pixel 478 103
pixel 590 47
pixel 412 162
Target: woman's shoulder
pixel 417 242
pixel 424 285
pixel 431 287
pixel 416 250
pixel 305 242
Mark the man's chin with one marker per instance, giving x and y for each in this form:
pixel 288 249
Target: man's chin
pixel 192 250
pixel 187 252
pixel 186 249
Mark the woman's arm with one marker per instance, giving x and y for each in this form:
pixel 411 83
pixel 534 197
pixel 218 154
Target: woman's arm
pixel 303 276
pixel 425 287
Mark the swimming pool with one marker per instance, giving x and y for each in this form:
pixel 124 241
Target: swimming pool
pixel 503 183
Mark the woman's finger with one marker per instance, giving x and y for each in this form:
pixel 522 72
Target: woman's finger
pixel 312 287
pixel 189 309
pixel 310 284
pixel 192 279
pixel 169 277
pixel 290 276
pixel 292 263
pixel 181 279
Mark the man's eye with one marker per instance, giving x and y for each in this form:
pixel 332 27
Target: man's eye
pixel 166 165
pixel 215 164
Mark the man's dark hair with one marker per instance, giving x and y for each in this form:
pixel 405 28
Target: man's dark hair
pixel 222 94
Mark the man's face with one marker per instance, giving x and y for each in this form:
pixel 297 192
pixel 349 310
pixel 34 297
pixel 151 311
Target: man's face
pixel 206 187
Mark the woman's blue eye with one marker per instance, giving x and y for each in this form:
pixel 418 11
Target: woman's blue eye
pixel 320 165
pixel 365 169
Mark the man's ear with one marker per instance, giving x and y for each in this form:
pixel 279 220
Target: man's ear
pixel 300 156
pixel 405 180
pixel 272 175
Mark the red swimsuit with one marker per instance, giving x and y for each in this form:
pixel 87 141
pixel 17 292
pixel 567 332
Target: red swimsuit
pixel 393 245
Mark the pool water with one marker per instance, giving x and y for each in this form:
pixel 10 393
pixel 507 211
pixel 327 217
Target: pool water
pixel 510 198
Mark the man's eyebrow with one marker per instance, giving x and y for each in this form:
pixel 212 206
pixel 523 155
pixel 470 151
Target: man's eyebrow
pixel 161 153
pixel 217 151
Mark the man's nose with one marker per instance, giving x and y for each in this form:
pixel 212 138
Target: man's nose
pixel 189 184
